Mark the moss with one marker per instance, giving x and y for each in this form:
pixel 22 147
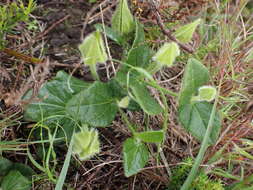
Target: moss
pixel 180 173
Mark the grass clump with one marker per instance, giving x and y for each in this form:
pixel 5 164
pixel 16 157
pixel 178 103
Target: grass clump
pixel 180 173
pixel 11 14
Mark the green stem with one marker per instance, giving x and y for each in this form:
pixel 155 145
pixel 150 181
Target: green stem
pixel 203 148
pixel 129 125
pixel 164 90
pixel 154 67
pixel 93 70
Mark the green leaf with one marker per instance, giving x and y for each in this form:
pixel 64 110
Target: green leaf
pixel 122 19
pixel 138 89
pixel 184 33
pixel 135 156
pixel 86 143
pixel 53 97
pixel 92 49
pixel 167 54
pixel 139 54
pixel 124 102
pixel 64 170
pixel 195 75
pixel 95 106
pixel 207 93
pixel 139 38
pixel 5 166
pixel 144 99
pixel 25 170
pixel 195 117
pixel 150 136
pixel 110 33
pixel 14 180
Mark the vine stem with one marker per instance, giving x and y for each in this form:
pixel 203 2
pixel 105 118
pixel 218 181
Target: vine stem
pixel 123 115
pixel 93 70
pixel 203 148
pixel 166 31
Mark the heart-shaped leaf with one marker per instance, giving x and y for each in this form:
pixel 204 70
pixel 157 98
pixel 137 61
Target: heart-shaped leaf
pixel 5 166
pixel 195 75
pixel 195 117
pixel 53 97
pixel 150 136
pixel 95 106
pixel 135 156
pixel 122 19
pixel 184 33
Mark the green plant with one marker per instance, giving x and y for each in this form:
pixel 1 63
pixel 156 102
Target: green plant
pixel 15 175
pixel 11 14
pixel 69 103
pixel 180 173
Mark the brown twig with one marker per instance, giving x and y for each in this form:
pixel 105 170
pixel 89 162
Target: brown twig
pixel 21 56
pixel 45 32
pixel 166 31
pixel 88 16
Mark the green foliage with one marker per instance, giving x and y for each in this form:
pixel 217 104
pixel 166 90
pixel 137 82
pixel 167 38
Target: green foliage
pixel 150 136
pixel 166 55
pixel 142 97
pixel 184 33
pixel 195 75
pixel 86 143
pixel 124 102
pixel 15 180
pixel 110 33
pixel 95 106
pixel 93 51
pixel 70 103
pixel 11 14
pixel 122 20
pixel 206 93
pixel 195 117
pixel 179 174
pixel 202 182
pixel 5 166
pixel 135 155
pixel 53 98
pixel 139 55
